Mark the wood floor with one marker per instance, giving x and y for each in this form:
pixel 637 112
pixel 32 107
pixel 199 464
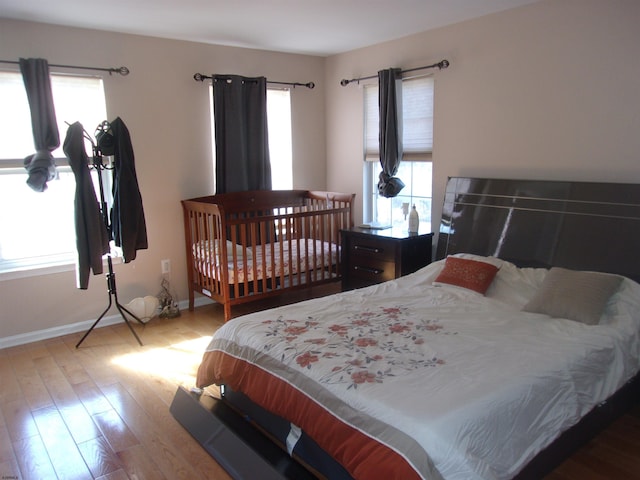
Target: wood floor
pixel 102 410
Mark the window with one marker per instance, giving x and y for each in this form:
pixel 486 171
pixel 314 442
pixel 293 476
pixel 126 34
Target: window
pixel 38 227
pixel 415 169
pixel 279 126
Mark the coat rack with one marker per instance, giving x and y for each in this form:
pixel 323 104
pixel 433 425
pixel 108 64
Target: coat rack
pixel 98 150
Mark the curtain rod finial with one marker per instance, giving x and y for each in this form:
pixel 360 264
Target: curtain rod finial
pixel 198 77
pixel 344 82
pixel 124 71
pixel 443 64
pixel 310 85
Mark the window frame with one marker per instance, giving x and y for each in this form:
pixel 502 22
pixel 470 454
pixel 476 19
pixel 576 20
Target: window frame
pixel 411 155
pixel 61 261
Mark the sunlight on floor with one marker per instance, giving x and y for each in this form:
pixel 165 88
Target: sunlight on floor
pixel 176 363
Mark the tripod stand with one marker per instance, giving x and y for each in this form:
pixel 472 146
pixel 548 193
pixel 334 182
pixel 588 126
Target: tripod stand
pixel 111 276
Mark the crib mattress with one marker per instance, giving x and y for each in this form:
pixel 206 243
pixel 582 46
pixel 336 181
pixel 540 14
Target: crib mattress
pixel 273 260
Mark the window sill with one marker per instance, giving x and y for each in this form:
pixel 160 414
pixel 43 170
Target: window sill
pixel 40 271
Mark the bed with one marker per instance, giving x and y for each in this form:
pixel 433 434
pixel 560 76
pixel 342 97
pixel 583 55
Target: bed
pixel 519 341
pixel 245 246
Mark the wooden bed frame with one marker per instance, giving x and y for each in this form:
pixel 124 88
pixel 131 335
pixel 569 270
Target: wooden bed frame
pixel 579 225
pixel 245 246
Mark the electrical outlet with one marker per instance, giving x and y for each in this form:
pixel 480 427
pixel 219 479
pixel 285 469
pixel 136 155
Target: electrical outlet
pixel 165 265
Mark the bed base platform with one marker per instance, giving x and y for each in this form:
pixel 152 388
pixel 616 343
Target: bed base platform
pixel 580 434
pixel 244 246
pixel 242 450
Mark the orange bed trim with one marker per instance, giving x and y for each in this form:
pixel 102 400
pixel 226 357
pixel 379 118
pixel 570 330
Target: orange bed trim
pixel 362 456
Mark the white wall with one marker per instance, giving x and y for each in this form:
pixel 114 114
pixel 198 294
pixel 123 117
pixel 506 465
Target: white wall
pixel 167 113
pixel 549 91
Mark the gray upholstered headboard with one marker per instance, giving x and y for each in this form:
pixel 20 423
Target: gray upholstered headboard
pixel 578 225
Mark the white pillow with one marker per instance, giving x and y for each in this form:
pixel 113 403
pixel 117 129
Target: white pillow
pixel 516 285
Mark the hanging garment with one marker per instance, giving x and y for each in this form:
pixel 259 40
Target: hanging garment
pixel 128 225
pixel 92 240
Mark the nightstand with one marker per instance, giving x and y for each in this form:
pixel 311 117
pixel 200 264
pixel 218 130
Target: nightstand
pixel 373 256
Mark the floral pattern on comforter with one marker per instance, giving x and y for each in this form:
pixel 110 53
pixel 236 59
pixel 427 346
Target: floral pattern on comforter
pixel 367 347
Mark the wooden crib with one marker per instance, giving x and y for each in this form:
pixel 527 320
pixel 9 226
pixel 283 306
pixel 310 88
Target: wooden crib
pixel 246 246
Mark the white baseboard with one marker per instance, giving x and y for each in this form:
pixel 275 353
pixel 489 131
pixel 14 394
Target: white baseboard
pixel 29 337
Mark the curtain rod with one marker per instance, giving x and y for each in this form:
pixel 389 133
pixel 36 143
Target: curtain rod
pixel 199 77
pixel 121 70
pixel 441 64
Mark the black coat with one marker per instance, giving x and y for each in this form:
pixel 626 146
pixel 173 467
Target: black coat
pixel 128 225
pixel 92 240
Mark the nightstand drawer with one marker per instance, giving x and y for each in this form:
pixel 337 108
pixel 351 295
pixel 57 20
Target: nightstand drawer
pixel 371 270
pixel 371 247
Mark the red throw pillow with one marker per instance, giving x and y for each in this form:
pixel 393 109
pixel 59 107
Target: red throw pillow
pixel 465 273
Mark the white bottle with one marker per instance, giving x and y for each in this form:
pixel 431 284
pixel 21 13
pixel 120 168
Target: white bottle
pixel 414 220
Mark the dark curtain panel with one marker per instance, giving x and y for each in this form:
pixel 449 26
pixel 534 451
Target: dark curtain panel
pixel 40 166
pixel 242 142
pixel 389 101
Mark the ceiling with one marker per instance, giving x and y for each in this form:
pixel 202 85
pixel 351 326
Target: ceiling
pixel 314 27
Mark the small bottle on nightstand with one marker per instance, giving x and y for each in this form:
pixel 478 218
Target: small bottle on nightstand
pixel 414 220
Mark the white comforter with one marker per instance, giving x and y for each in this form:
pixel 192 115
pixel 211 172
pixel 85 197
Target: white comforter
pixel 481 386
